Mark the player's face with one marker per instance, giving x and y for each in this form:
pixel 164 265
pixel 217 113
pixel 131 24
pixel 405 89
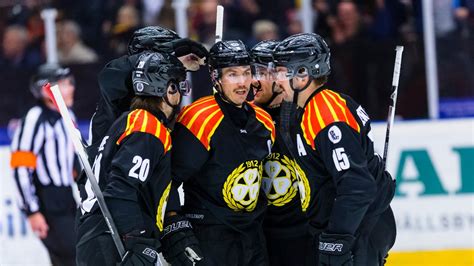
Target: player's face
pixel 265 92
pixel 235 83
pixel 283 82
pixel 66 86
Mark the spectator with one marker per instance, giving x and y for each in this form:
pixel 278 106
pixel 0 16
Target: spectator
pixel 128 21
pixel 264 30
pixel 322 9
pixel 15 52
pixel 348 23
pixel 71 50
pixel 294 22
pixel 203 21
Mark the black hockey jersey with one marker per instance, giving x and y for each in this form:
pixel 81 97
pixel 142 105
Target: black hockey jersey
pixel 283 181
pixel 346 179
pixel 116 93
pixel 132 167
pixel 220 161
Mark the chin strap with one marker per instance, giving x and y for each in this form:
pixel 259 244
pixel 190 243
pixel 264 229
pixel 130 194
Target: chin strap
pixel 218 88
pixel 175 109
pixel 274 95
pixel 258 87
pixel 295 98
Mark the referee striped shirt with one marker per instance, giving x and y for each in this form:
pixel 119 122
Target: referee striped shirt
pixel 42 156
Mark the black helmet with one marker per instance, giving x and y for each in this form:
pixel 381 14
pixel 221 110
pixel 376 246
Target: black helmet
pixel 150 38
pixel 304 50
pixel 154 71
pixel 227 54
pixel 262 52
pixel 47 73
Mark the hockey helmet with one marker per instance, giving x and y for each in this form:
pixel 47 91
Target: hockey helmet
pixel 228 54
pixel 150 38
pixel 262 60
pixel 304 53
pixel 48 73
pixel 155 71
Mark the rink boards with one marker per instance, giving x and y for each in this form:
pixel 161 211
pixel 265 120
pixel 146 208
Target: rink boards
pixel 434 204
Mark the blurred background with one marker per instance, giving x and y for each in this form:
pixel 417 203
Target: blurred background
pixel 432 154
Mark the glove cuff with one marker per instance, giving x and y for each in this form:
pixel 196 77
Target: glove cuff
pixel 335 244
pixel 175 224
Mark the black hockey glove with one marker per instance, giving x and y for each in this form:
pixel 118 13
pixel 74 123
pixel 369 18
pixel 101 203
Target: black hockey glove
pixel 140 250
pixel 335 250
pixel 180 246
pixel 187 46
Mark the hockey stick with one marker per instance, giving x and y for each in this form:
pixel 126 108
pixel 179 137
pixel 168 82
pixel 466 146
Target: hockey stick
pixel 74 135
pixel 219 23
pixel 219 33
pixel 393 101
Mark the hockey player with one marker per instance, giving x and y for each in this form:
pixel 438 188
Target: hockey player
pixel 115 82
pixel 285 224
pixel 133 169
pixel 219 143
pixel 43 165
pixel 349 190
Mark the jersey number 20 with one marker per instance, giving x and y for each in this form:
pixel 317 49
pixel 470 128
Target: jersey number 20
pixel 140 169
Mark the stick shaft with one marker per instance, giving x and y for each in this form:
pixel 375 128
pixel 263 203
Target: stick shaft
pixel 393 101
pixel 76 140
pixel 219 23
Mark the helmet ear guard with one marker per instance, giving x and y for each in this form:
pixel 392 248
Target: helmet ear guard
pixel 154 72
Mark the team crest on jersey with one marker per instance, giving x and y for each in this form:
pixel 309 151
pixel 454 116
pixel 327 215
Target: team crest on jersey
pixel 241 189
pixel 303 185
pixel 279 179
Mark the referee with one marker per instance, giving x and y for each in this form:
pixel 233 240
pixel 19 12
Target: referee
pixel 43 163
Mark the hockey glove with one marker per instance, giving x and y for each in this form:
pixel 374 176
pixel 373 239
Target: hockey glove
pixel 335 250
pixel 140 250
pixel 187 46
pixel 184 46
pixel 180 246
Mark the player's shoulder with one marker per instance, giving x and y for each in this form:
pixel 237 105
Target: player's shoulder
pixel 265 118
pixel 140 120
pixel 200 107
pixel 259 111
pixel 325 108
pixel 201 112
pixel 202 118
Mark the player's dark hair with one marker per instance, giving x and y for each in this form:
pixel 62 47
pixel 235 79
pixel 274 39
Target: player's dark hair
pixel 321 80
pixel 148 103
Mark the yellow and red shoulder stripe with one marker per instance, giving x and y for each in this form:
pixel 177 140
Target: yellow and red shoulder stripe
pixel 324 108
pixel 264 118
pixel 202 118
pixel 140 120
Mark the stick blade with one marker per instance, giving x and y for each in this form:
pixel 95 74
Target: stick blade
pixel 48 89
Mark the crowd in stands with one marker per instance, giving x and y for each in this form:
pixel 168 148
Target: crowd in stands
pixel 362 34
